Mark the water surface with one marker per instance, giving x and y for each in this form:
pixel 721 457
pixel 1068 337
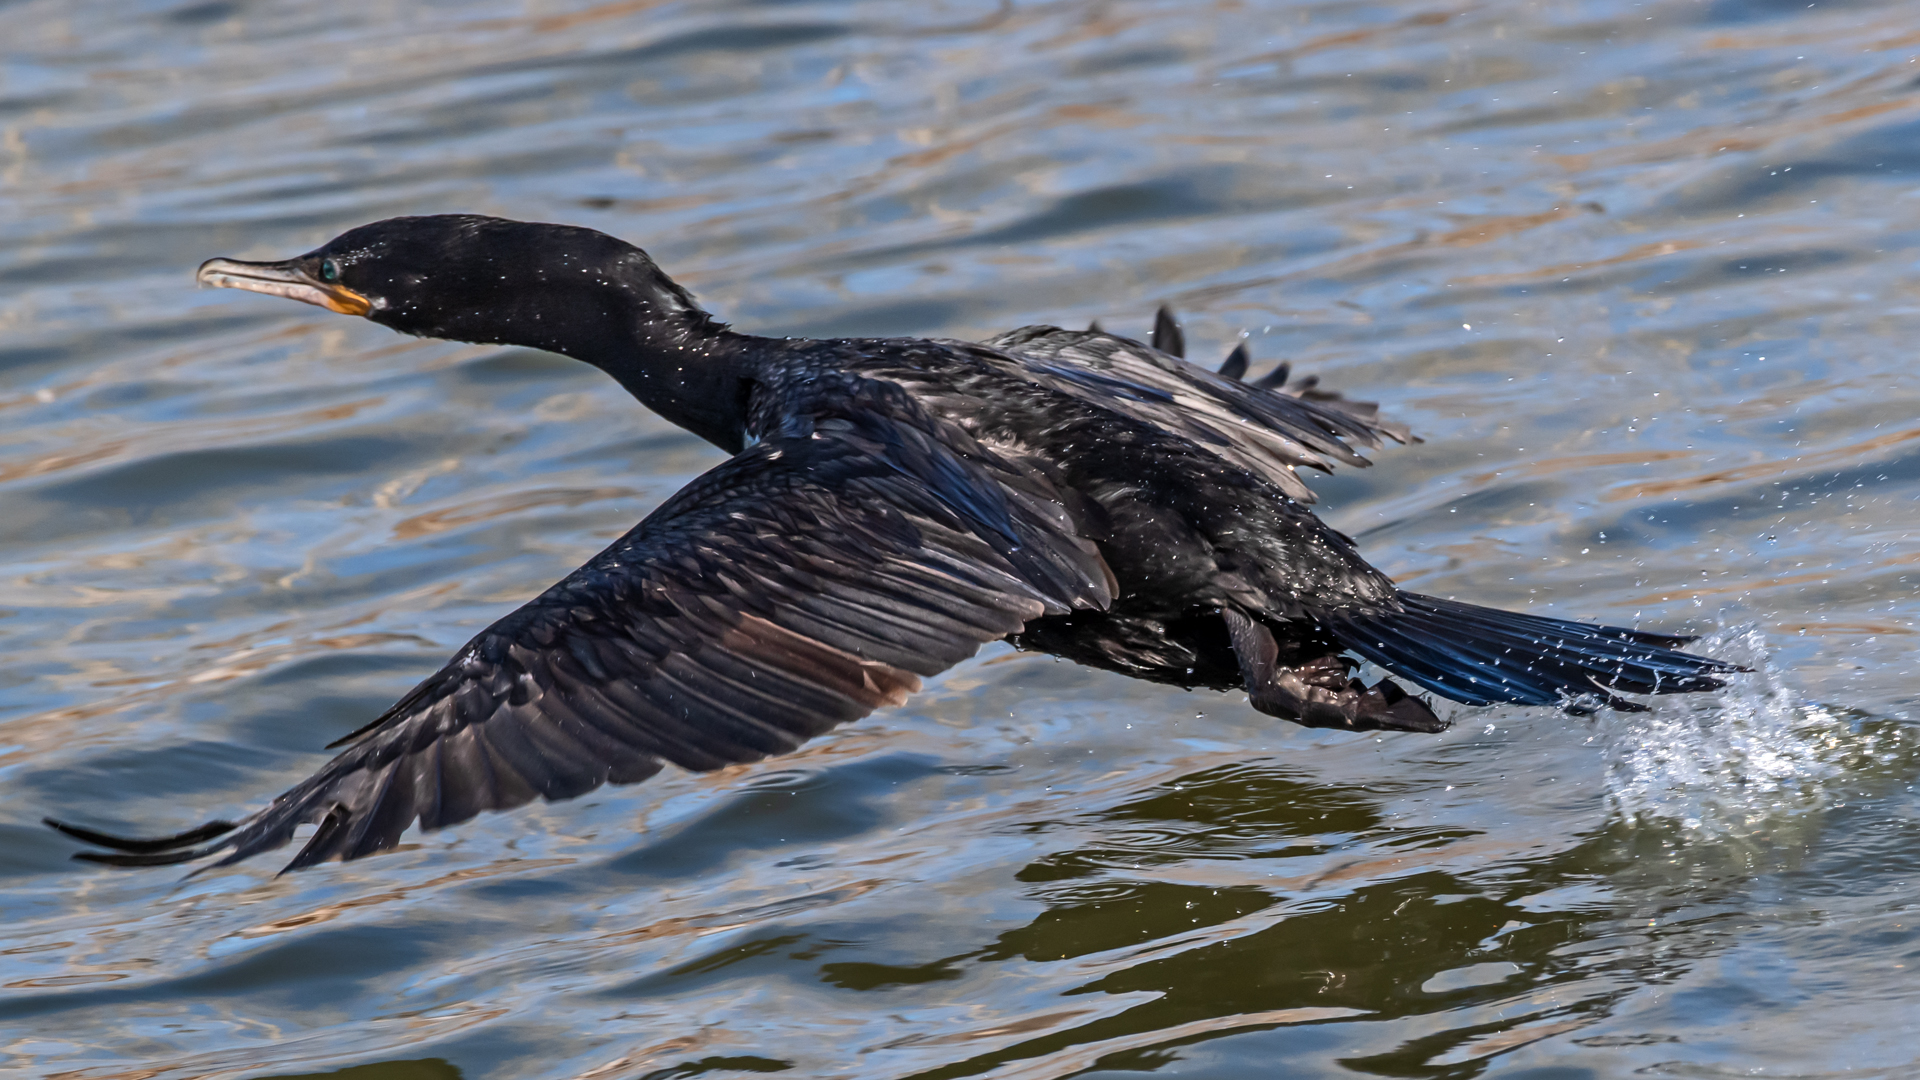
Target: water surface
pixel 1641 274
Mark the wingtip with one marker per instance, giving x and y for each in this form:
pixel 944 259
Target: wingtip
pixel 136 844
pixel 136 860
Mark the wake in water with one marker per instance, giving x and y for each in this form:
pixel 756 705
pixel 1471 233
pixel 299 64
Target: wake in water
pixel 1726 762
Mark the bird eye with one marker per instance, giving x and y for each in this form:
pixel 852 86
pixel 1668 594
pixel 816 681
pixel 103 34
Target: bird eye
pixel 329 270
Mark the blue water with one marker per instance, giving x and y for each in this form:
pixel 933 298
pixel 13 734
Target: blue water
pixel 1643 276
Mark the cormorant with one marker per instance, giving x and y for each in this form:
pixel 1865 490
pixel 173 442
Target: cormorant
pixel 891 505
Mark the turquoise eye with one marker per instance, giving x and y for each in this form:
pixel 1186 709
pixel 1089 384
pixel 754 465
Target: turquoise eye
pixel 329 270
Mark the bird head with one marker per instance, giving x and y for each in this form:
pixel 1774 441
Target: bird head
pixel 464 277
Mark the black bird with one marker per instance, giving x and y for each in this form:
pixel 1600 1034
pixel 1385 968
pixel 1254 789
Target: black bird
pixel 891 505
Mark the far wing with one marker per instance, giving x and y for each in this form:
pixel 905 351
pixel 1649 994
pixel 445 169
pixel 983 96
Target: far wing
pixel 800 585
pixel 1262 427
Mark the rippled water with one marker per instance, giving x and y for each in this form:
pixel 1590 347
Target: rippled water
pixel 1642 274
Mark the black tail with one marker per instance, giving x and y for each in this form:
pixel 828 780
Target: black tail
pixel 1480 655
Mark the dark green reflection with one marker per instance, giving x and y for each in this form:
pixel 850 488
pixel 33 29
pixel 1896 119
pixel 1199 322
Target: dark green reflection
pixel 419 1069
pixel 744 1063
pixel 1373 949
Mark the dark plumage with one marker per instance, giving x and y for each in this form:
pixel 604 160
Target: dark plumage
pixel 892 505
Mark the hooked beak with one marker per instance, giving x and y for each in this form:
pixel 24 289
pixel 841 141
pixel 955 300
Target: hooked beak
pixel 286 279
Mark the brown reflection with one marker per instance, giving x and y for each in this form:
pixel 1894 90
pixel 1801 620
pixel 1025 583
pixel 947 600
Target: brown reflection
pixel 1643 251
pixel 1778 40
pixel 1843 628
pixel 1494 228
pixel 1799 463
pixel 52 728
pixel 212 435
pixel 1707 141
pixel 1556 466
pixel 64 980
pixel 1758 584
pixel 467 513
pixel 328 912
pixel 548 24
pixel 1744 585
pixel 1349 37
pixel 700 925
pixel 1026 1026
pixel 55 462
pixel 1082 114
pixel 1474 233
pixel 1099 23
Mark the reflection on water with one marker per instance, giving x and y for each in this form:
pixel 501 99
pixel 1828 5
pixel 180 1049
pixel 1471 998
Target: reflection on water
pixel 1641 274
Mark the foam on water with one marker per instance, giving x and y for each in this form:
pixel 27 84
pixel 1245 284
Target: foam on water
pixel 1723 763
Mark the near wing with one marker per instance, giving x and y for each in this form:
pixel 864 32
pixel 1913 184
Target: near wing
pixel 1259 426
pixel 800 585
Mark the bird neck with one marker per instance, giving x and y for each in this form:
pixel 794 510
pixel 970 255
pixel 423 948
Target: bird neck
pixel 693 372
pixel 640 328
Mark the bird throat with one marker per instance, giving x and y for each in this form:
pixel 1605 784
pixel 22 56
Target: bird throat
pixel 692 372
pixel 668 353
pixel 701 386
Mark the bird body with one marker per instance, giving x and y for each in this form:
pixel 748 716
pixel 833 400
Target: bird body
pixel 891 505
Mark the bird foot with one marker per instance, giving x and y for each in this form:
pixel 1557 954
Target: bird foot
pixel 1319 693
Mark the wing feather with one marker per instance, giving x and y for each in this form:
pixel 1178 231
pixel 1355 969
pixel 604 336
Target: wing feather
pixel 800 585
pixel 1265 429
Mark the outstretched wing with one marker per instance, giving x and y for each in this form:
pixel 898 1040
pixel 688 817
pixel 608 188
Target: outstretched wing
pixel 1264 427
pixel 802 584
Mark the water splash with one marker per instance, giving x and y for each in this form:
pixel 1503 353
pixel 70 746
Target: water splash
pixel 1730 762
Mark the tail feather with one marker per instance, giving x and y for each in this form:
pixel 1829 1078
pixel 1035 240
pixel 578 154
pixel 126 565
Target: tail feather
pixel 1438 671
pixel 1479 655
